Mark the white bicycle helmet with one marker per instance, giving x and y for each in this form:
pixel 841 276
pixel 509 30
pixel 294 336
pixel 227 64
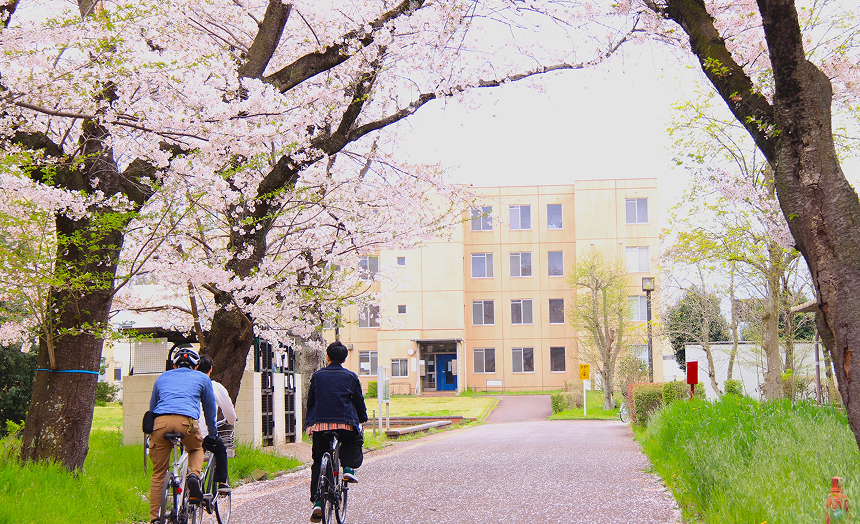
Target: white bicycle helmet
pixel 185 356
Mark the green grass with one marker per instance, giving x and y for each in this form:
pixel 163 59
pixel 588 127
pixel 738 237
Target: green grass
pixel 413 406
pixel 108 417
pixel 595 410
pixel 111 488
pixel 741 461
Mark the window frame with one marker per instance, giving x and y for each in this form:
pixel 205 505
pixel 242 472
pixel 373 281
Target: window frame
pixel 483 217
pixel 638 259
pixel 368 314
pixel 399 259
pixel 365 273
pixel 549 225
pixel 636 210
pixel 371 356
pixel 522 360
pixel 519 264
pixel 402 367
pixel 552 357
pixel 520 211
pixel 549 265
pixel 638 308
pixel 484 312
pixel 484 361
pixel 485 256
pixel 401 306
pixel 522 313
pixel 562 322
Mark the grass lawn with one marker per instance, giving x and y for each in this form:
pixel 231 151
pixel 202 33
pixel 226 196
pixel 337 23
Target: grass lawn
pixel 412 406
pixel 108 417
pixel 594 409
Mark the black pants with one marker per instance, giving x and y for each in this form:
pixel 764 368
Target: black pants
pixel 219 455
pixel 351 454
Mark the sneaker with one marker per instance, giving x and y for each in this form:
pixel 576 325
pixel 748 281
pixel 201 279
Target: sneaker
pixel 349 475
pixel 316 514
pixel 224 488
pixel 192 484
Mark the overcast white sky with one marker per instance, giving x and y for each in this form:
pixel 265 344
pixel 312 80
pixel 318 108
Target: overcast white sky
pixel 608 122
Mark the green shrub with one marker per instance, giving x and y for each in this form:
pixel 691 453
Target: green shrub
pixel 558 402
pixel 734 387
pixel 647 400
pixel 18 370
pixel 371 389
pixel 673 391
pixel 105 393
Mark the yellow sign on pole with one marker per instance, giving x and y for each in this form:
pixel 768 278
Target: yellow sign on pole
pixel 584 371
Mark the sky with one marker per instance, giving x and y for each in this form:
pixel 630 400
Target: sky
pixel 607 122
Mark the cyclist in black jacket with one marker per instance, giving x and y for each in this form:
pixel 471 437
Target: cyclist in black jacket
pixel 335 403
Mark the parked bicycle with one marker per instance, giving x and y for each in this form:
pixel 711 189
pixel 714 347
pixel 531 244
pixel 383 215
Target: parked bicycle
pixel 332 488
pixel 624 412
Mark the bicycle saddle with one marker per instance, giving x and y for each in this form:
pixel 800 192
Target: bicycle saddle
pixel 172 436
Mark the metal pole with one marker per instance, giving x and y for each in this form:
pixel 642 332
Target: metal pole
pixel 584 401
pixel 650 355
pixel 817 369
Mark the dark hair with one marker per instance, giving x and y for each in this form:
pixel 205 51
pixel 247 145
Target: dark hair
pixel 205 364
pixel 336 352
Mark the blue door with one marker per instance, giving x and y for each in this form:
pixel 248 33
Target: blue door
pixel 446 371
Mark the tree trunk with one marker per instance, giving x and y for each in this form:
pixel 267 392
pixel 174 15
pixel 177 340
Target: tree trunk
pixel 734 327
pixel 308 361
pixel 773 373
pixel 229 341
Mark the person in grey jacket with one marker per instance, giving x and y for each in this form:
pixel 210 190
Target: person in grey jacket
pixel 335 404
pixel 176 399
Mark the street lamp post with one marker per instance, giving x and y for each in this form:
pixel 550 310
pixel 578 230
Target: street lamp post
pixel 648 287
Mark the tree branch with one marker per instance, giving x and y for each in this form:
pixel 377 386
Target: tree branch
pixel 267 39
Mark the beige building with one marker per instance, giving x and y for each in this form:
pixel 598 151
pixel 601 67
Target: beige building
pixel 485 308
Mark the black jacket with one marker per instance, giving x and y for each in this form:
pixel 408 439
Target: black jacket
pixel 335 396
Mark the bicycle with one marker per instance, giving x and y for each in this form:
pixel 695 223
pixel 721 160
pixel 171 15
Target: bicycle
pixel 624 412
pixel 214 502
pixel 332 488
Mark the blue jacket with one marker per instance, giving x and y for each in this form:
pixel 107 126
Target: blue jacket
pixel 181 391
pixel 335 396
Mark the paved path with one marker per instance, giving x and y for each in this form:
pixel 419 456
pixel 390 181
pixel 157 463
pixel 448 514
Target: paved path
pixel 508 472
pixel 521 408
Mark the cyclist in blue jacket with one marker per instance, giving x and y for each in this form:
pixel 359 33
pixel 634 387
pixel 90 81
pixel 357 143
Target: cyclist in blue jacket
pixel 176 399
pixel 335 403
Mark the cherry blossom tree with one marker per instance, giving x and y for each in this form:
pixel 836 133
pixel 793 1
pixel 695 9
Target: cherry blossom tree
pixel 237 149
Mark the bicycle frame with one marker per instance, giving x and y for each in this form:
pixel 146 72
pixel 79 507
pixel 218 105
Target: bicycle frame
pixel 333 491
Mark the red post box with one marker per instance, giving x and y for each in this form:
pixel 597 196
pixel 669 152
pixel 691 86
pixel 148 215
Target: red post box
pixel 692 376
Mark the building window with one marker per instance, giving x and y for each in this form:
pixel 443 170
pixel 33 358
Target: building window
pixel 117 374
pixel 553 216
pixel 485 360
pixel 556 359
pixel 638 260
pixel 368 316
pixel 521 264
pixel 399 367
pixel 555 263
pixel 482 219
pixel 521 217
pixel 367 363
pixel 401 261
pixel 556 311
pixel 523 360
pixel 639 308
pixel 521 311
pixel 640 351
pixel 368 267
pixel 637 210
pixel 483 313
pixel 482 265
pixel 401 309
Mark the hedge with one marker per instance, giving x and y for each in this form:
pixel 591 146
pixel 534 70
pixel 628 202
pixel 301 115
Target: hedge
pixel 734 387
pixel 644 399
pixel 371 389
pixel 673 391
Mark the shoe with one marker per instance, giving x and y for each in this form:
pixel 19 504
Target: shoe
pixel 349 475
pixel 192 484
pixel 316 514
pixel 224 488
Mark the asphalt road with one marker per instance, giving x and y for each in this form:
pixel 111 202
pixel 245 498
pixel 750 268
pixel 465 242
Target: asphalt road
pixel 503 472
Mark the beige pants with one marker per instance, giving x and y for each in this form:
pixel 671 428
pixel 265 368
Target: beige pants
pixel 160 454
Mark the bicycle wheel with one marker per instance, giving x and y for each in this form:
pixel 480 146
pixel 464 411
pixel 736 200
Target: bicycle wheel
pixel 167 513
pixel 326 488
pixel 223 507
pixel 189 513
pixel 624 412
pixel 340 509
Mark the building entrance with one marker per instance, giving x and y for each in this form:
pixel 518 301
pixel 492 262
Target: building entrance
pixel 446 372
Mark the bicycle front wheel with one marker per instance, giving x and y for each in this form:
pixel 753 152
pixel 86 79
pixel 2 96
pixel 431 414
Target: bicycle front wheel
pixel 340 509
pixel 223 507
pixel 624 413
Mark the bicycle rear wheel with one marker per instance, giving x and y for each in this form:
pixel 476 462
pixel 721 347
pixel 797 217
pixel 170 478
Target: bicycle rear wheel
pixel 169 497
pixel 325 488
pixel 624 412
pixel 223 507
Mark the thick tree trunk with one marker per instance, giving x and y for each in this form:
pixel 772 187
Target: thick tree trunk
pixel 228 343
pixel 773 373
